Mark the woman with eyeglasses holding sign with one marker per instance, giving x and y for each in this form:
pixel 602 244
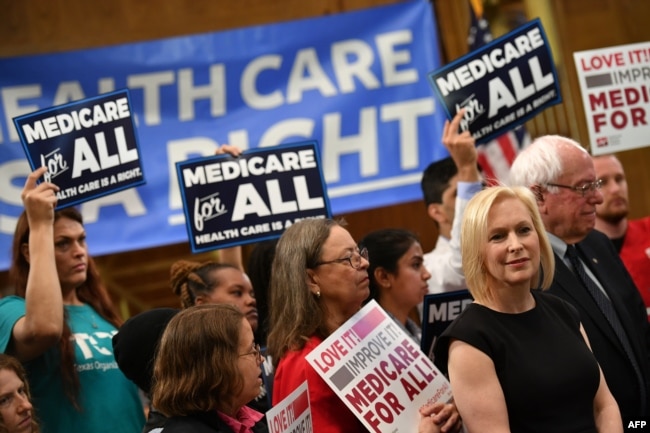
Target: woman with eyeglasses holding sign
pixel 319 280
pixel 208 283
pixel 207 368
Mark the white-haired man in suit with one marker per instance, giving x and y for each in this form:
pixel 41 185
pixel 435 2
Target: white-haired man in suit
pixel 561 174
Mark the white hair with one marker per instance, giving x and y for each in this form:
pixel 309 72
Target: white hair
pixel 541 161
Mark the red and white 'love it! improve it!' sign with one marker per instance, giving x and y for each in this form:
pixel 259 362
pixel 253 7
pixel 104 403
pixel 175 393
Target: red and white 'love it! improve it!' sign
pixel 614 84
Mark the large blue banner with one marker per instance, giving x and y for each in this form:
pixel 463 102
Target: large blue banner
pixel 356 83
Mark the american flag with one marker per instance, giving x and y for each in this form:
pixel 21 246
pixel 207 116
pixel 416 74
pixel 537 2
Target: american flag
pixel 496 156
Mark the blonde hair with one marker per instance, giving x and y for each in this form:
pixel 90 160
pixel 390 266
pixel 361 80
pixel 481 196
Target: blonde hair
pixel 474 235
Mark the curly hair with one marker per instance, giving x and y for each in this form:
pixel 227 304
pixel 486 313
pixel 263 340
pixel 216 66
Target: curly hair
pixel 191 279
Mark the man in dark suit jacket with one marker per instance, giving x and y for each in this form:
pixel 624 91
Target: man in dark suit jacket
pixel 561 175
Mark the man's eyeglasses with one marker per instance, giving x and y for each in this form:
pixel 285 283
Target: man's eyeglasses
pixel 581 189
pixel 257 351
pixel 354 260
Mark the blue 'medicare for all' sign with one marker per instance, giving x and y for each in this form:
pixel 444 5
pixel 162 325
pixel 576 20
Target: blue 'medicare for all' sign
pixel 232 201
pixel 438 311
pixel 501 85
pixel 89 147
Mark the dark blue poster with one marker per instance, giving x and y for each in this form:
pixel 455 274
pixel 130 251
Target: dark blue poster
pixel 231 201
pixel 89 147
pixel 438 311
pixel 501 85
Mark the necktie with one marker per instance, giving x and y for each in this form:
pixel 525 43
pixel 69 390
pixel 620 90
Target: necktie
pixel 605 305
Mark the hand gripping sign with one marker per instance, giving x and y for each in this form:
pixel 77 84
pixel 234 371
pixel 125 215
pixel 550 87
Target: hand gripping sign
pixel 233 201
pixel 501 85
pixel 89 147
pixel 379 372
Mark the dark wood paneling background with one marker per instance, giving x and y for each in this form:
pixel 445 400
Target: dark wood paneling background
pixel 590 24
pixel 138 280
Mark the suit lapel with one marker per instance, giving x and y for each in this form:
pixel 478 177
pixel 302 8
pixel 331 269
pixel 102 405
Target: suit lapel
pixel 601 266
pixel 568 283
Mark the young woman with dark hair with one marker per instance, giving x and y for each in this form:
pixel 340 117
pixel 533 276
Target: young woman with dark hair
pixel 61 320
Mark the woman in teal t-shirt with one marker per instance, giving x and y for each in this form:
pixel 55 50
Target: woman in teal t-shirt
pixel 61 321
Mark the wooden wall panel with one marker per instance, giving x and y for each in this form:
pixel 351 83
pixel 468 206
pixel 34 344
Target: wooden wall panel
pixel 45 26
pixel 588 24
